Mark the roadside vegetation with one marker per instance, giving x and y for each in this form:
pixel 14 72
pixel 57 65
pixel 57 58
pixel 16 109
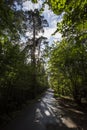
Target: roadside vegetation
pixel 22 61
pixel 68 57
pixel 25 71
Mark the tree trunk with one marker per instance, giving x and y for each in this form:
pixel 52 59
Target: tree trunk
pixel 76 95
pixel 34 62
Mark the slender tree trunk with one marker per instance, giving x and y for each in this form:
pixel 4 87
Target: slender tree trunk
pixel 76 95
pixel 34 62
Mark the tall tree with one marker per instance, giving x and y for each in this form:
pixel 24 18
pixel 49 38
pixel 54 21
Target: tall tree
pixel 35 26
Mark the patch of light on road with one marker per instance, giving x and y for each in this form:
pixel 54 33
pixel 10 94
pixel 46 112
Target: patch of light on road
pixel 47 113
pixel 38 113
pixel 68 122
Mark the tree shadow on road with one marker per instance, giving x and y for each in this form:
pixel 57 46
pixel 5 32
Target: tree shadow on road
pixel 77 113
pixel 46 114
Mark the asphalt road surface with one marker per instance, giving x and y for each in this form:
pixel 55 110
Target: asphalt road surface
pixel 46 114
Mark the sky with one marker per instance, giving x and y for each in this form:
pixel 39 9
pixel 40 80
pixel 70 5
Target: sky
pixel 49 16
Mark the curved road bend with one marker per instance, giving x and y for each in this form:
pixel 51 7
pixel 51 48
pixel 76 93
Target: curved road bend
pixel 43 115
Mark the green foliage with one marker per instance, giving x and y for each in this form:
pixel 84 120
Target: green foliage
pixel 16 69
pixel 34 1
pixel 22 72
pixel 67 63
pixel 68 68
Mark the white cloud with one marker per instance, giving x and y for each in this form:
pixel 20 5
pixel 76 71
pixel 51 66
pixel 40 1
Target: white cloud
pixel 52 20
pixel 48 33
pixel 51 17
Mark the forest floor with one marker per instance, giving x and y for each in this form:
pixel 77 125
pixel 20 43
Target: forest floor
pixel 49 113
pixel 76 113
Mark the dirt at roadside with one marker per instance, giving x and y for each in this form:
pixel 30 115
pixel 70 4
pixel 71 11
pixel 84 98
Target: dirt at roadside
pixel 75 112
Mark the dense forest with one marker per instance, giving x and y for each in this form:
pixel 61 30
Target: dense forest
pixel 68 59
pixel 29 65
pixel 22 62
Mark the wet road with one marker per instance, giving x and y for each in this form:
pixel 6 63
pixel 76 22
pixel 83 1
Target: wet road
pixel 43 115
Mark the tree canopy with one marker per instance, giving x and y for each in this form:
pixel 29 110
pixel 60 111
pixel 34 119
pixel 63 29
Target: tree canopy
pixel 22 64
pixel 28 63
pixel 68 57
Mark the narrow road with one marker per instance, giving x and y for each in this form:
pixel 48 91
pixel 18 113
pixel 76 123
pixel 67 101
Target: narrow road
pixel 46 114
